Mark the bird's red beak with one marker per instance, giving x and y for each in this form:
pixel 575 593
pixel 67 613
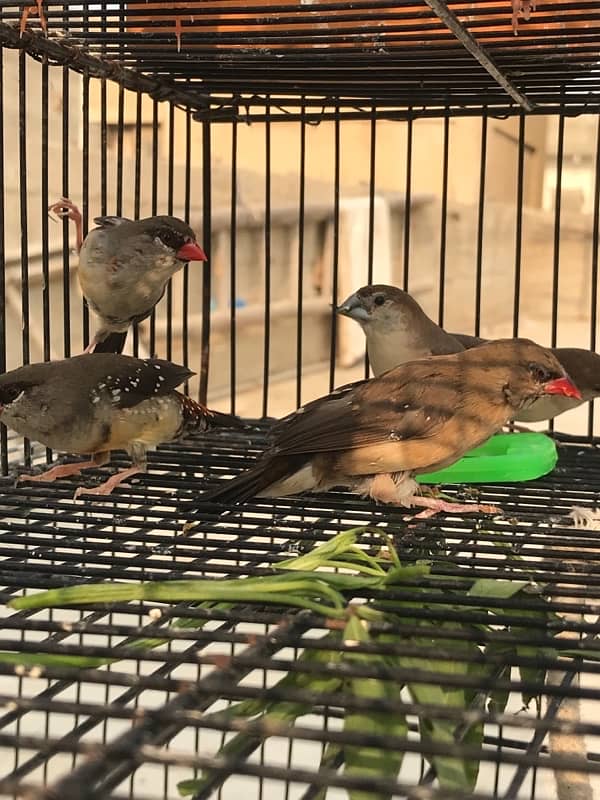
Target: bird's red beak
pixel 191 251
pixel 562 386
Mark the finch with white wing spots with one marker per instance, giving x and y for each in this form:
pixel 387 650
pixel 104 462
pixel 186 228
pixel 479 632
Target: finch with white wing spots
pixel 92 404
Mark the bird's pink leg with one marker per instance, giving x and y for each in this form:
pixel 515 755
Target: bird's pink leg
pixel 107 487
pixel 400 490
pixel 66 208
pixel 434 506
pixel 91 347
pixel 60 471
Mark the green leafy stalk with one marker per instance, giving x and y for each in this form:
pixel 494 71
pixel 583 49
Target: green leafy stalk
pixel 452 773
pixel 274 716
pixel 372 762
pixel 283 589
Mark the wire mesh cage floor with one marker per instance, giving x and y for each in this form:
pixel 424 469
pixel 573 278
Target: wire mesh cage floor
pixel 85 731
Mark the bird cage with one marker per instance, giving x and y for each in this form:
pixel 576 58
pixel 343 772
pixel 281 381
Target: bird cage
pixel 448 148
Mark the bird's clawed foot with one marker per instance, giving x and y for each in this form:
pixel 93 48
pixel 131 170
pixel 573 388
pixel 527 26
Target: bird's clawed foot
pixel 66 208
pixel 434 506
pixel 400 489
pixel 59 471
pixel 107 487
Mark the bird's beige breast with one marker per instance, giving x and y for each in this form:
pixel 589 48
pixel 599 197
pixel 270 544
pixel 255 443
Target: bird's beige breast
pixel 390 348
pixel 150 422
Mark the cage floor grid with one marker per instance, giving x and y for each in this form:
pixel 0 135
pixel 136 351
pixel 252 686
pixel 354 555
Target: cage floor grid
pixel 137 726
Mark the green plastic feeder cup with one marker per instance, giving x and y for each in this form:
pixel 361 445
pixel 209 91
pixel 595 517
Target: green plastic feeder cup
pixel 505 458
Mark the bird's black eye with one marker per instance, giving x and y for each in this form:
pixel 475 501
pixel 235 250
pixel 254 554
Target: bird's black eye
pixel 379 299
pixel 171 238
pixel 539 373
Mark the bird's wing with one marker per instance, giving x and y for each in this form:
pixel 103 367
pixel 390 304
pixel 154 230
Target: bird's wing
pixel 392 408
pixel 139 379
pixel 469 341
pixel 110 222
pixel 282 425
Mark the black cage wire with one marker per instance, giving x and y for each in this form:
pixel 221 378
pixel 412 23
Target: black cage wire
pixel 258 123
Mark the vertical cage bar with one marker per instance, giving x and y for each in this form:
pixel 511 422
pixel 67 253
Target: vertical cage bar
pixel 120 126
pixel 336 242
pixel 154 200
pixel 480 223
pixel 44 216
pixel 267 340
pixel 65 193
pixel 46 345
pixel 519 225
pixel 206 276
pixel 103 148
pixel 85 187
pixel 104 155
pixel 372 152
pixel 137 192
pixel 560 146
pixel 444 220
pixel 24 223
pixel 407 203
pixel 185 291
pixel 137 180
pixel 594 266
pixel 170 187
pixel 233 268
pixel 300 286
pixel 152 342
pixel 371 234
pixel 3 436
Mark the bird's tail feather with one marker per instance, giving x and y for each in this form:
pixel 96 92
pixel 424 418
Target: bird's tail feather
pixel 219 419
pixel 268 472
pixel 242 488
pixel 197 416
pixel 114 343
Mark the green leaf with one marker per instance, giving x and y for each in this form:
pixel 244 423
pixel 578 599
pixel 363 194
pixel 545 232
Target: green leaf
pixel 403 574
pixel 533 674
pixel 188 787
pixel 498 698
pixel 452 773
pixel 372 762
pixel 496 588
pixel 588 655
pixel 328 760
pixel 275 713
pixel 52 660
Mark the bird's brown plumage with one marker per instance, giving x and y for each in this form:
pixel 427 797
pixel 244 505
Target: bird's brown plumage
pixel 415 418
pixel 398 330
